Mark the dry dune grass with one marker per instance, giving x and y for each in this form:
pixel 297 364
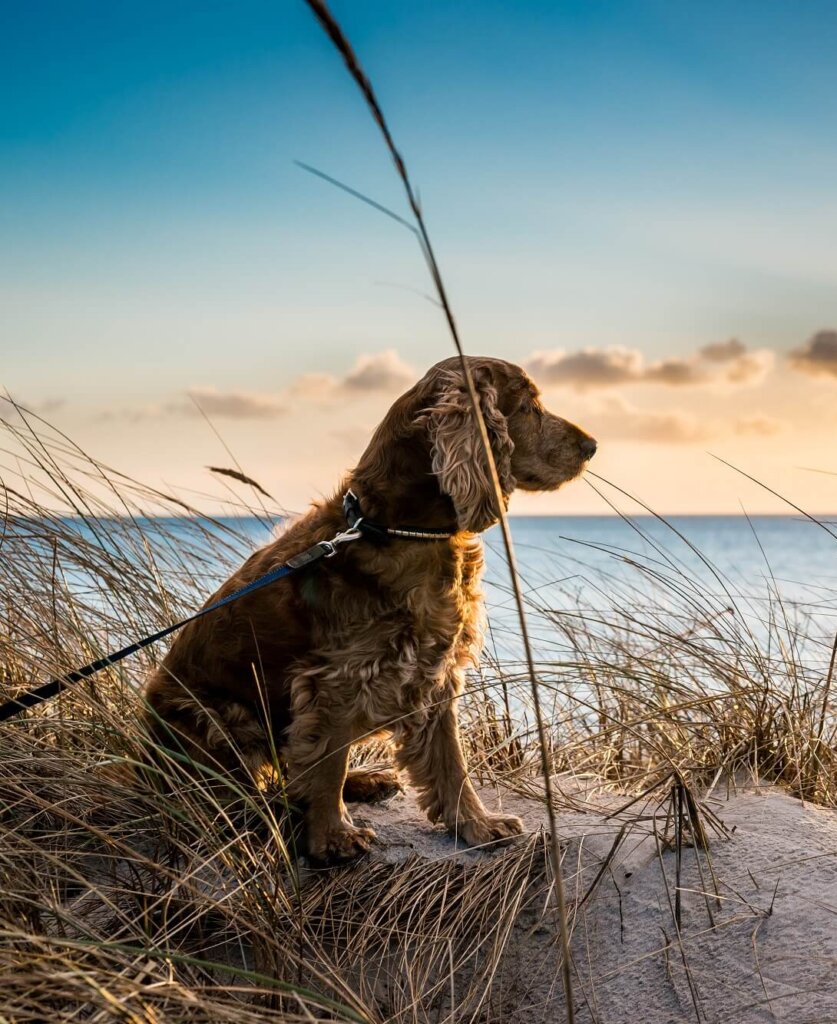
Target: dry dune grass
pixel 119 902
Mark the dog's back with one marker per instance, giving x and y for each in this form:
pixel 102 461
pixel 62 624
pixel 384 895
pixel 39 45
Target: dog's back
pixel 221 694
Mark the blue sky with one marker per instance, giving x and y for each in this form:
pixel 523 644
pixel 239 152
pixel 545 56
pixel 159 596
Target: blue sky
pixel 655 176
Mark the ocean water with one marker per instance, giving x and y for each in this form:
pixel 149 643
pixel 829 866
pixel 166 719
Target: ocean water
pixel 761 569
pixel 775 577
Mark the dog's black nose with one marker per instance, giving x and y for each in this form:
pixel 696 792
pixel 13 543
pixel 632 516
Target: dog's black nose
pixel 588 448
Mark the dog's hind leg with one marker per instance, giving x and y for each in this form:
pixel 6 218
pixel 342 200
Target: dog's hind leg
pixel 316 749
pixel 226 737
pixel 369 785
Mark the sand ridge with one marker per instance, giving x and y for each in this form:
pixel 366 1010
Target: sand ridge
pixel 768 952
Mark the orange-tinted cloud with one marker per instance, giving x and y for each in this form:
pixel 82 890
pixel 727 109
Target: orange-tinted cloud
pixel 13 410
pixel 383 373
pixel 618 420
pixel 728 363
pixel 818 356
pixel 588 368
pixel 676 373
pixel 723 351
pixel 758 426
pixel 234 405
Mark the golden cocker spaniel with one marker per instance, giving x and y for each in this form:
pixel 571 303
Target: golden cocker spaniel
pixel 377 638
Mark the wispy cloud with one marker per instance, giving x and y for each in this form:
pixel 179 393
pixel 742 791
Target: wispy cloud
pixel 216 404
pixel 758 426
pixel 589 368
pixel 818 356
pixel 382 373
pixel 385 371
pixel 729 363
pixel 723 351
pixel 11 408
pixel 234 405
pixel 619 420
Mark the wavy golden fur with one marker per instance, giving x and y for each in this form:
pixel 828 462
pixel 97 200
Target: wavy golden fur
pixel 377 638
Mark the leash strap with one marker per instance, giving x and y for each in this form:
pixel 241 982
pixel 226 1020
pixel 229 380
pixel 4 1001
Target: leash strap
pixel 30 699
pixel 359 527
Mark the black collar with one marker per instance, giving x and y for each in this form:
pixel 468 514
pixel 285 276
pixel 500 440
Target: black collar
pixel 380 533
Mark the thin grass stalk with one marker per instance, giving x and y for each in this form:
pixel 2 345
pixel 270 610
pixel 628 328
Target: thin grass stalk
pixel 332 28
pixel 781 497
pixel 827 690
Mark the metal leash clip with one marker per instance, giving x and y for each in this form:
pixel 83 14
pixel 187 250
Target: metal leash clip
pixel 342 538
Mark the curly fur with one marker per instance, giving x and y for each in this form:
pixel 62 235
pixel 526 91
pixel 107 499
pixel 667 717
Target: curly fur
pixel 378 639
pixel 458 455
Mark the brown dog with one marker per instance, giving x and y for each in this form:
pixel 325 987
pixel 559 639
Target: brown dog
pixel 378 637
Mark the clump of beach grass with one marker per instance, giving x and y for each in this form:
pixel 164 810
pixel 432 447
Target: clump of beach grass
pixel 128 896
pixel 145 890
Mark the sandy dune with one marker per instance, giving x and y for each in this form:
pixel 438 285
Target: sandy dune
pixel 767 953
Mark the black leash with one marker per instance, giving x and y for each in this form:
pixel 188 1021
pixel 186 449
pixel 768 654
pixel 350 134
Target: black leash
pixel 325 549
pixel 358 528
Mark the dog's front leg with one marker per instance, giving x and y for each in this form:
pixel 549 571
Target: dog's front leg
pixel 430 750
pixel 317 756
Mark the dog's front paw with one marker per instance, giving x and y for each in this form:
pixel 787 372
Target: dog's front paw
pixel 339 845
pixel 491 828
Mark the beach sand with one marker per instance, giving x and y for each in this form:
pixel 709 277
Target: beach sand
pixel 768 952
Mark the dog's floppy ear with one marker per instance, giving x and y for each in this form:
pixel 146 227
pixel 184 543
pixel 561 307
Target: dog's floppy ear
pixel 457 454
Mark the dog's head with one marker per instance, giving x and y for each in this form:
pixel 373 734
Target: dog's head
pixel 533 448
pixel 430 442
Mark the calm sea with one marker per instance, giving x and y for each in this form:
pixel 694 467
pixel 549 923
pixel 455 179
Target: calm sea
pixel 763 567
pixel 776 576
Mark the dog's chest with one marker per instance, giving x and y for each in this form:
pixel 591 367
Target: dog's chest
pixel 407 647
pixel 443 620
pixel 439 633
